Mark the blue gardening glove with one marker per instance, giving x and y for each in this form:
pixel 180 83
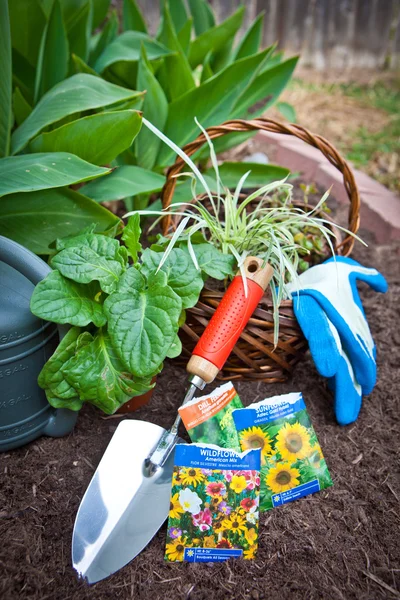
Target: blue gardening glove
pixel 330 314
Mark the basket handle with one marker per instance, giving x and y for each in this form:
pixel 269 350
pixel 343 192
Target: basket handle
pixel 238 125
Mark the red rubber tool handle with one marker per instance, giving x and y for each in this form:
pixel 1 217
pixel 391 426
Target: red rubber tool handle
pixel 228 321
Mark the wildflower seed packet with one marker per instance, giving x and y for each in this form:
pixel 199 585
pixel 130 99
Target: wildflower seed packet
pixel 292 463
pixel 214 504
pixel 209 419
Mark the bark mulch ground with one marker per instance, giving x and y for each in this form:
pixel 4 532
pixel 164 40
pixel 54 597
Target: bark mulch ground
pixel 341 543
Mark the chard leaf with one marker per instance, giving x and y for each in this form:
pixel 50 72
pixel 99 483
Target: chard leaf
pixel 182 275
pixel 142 321
pixel 98 375
pixel 131 236
pixel 71 403
pixel 213 262
pixel 93 258
pixel 62 301
pixel 51 378
pixel 175 348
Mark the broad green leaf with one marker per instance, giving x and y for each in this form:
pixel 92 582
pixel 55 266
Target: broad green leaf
pixel 80 30
pixel 142 321
pixel 95 259
pixel 182 275
pixel 265 88
pixel 51 377
pixel 108 34
pixel 100 10
pixel 131 236
pixel 175 75
pixel 97 139
pixel 63 301
pixel 178 13
pixel 202 15
pixel 27 21
pixel 31 172
pixel 5 81
pixel 274 59
pixel 100 378
pixel 21 108
pixel 184 35
pixel 77 93
pixel 206 72
pixel 231 173
pixel 215 38
pixel 287 110
pixel 250 43
pixel 213 262
pixel 71 403
pixel 132 17
pixel 175 348
pixel 123 182
pixel 53 60
pixel 155 109
pixel 126 47
pixel 211 103
pixel 79 66
pixel 23 75
pixel 223 57
pixel 36 219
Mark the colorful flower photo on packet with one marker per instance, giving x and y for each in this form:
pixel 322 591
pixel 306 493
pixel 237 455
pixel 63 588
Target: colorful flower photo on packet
pixel 214 507
pixel 292 463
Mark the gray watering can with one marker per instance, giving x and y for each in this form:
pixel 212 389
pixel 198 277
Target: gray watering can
pixel 26 343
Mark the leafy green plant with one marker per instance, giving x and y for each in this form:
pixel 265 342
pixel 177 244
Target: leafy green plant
pixel 124 309
pixel 247 224
pixel 73 82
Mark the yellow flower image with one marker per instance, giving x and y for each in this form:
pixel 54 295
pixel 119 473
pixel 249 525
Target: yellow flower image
pixel 175 549
pixel 250 535
pixel 175 508
pixel 255 437
pixel 282 478
pixel 238 483
pixel 235 523
pixel 250 553
pixel 176 477
pixel 293 442
pixel 315 456
pixel 208 541
pixel 191 476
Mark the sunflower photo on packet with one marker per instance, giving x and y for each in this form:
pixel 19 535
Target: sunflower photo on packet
pixel 292 463
pixel 214 501
pixel 209 418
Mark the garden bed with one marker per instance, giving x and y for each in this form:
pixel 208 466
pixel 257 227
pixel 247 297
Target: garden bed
pixel 340 543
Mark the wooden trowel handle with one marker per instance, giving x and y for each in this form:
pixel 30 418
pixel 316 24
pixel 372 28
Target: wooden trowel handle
pixel 229 320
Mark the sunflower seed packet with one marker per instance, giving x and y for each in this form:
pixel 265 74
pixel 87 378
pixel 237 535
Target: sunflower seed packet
pixel 214 504
pixel 292 463
pixel 208 419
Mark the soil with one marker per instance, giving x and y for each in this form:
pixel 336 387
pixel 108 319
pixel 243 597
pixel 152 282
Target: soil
pixel 341 543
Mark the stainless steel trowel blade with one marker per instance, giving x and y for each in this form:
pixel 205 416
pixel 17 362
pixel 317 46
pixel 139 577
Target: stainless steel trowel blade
pixel 122 509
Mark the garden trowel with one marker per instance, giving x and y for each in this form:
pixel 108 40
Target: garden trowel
pixel 127 500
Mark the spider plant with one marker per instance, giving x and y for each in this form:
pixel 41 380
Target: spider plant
pixel 233 225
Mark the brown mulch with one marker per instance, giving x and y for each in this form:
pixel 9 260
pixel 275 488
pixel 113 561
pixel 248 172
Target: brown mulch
pixel 341 543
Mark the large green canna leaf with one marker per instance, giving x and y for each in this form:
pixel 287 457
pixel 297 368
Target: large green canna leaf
pixel 41 171
pixel 178 13
pixel 142 320
pixel 21 108
pixel 132 17
pixel 27 21
pixel 175 75
pixel 231 173
pixel 36 219
pixel 53 60
pixel 155 109
pixel 214 39
pixel 77 93
pixel 23 75
pixel 123 182
pixel 100 10
pixel 126 48
pixel 250 43
pixel 108 34
pixel 98 138
pixel 265 88
pixel 80 31
pixel 5 81
pixel 79 66
pixel 202 15
pixel 211 102
pixel 185 34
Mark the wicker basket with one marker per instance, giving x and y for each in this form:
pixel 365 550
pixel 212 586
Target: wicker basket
pixel 254 356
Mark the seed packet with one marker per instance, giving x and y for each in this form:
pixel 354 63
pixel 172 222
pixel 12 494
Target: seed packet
pixel 214 504
pixel 292 463
pixel 209 419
